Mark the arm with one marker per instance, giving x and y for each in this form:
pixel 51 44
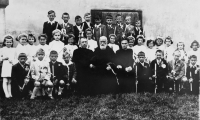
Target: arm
pixel 104 31
pixel 182 72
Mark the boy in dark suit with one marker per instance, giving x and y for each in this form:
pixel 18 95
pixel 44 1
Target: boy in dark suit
pixel 66 27
pixel 120 27
pixel 192 73
pixel 87 24
pixel 50 26
pixel 99 29
pixel 57 71
pixel 143 73
pixel 110 27
pixel 78 29
pixel 20 77
pixel 138 30
pixel 159 70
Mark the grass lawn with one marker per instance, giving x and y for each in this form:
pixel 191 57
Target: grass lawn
pixel 104 107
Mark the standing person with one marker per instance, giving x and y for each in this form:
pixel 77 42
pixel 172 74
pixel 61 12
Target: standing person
pixel 66 27
pixel 50 25
pixel 169 50
pixel 151 50
pixel 181 48
pixel 110 27
pixel 7 56
pixel 124 62
pixel 120 27
pixel 87 24
pixel 31 47
pixel 78 29
pixel 81 58
pixel 99 29
pixel 92 44
pixel 138 30
pixel 194 50
pixel 159 43
pixel 129 29
pixel 112 43
pixel 71 46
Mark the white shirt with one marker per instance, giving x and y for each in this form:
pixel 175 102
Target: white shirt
pixel 97 26
pixel 92 44
pixel 70 49
pixel 168 51
pixel 52 22
pixel 114 47
pixel 151 54
pixel 197 53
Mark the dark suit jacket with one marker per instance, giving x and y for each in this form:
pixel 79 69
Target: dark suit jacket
pixel 48 29
pixel 97 34
pixel 119 31
pixel 58 70
pixel 137 32
pixel 70 73
pixel 85 26
pixel 76 33
pixel 143 72
pixel 69 30
pixel 161 69
pixel 194 75
pixel 110 30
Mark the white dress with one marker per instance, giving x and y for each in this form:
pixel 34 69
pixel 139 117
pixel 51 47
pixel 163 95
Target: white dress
pixel 92 44
pixel 114 47
pixel 168 51
pixel 70 49
pixel 7 64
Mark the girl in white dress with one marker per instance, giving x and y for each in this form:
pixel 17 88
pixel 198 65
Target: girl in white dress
pixel 169 50
pixel 7 56
pixel 31 47
pixel 159 43
pixel 151 51
pixel 92 44
pixel 112 44
pixel 181 48
pixel 195 50
pixel 70 47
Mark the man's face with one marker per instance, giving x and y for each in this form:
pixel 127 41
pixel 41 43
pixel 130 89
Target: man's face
pixel 177 55
pixel 158 55
pixel 84 43
pixel 193 61
pixel 53 57
pixel 141 58
pixel 97 21
pixel 109 21
pixel 78 21
pixel 103 44
pixel 88 18
pixel 65 18
pixel 195 46
pixel 57 36
pixel 42 40
pixel 40 56
pixel 51 16
pixel 119 19
pixel 124 44
pixel 22 60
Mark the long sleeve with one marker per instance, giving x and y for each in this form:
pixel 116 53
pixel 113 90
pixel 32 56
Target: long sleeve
pixel 74 71
pixel 182 71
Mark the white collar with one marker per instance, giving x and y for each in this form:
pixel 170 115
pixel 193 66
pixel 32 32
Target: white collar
pixel 51 21
pixel 142 63
pixel 70 62
pixel 193 65
pixel 97 26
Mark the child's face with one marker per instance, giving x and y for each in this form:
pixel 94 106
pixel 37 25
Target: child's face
pixel 193 61
pixel 8 43
pixel 57 36
pixel 158 55
pixel 138 24
pixel 140 41
pixel 177 56
pixel 31 40
pixel 42 40
pixel 53 57
pixel 112 39
pixel 151 45
pixel 159 42
pixel 51 16
pixel 97 21
pixel 109 21
pixel 124 44
pixel 40 56
pixel 22 60
pixel 71 41
pixel 128 20
pixel 131 43
pixel 168 42
pixel 1 45
pixel 180 46
pixel 66 58
pixel 87 18
pixel 89 35
pixel 23 40
pixel 65 18
pixel 195 46
pixel 78 21
pixel 141 58
pixel 119 19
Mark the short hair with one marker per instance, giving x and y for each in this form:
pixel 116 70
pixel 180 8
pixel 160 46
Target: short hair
pixel 71 36
pixel 22 55
pixel 138 21
pixel 56 31
pixel 168 38
pixel 158 37
pixel 131 38
pixel 86 14
pixel 8 36
pixel 125 39
pixel 109 16
pixel 141 36
pixel 97 17
pixel 141 53
pixel 113 36
pixel 77 17
pixel 65 13
pixel 118 15
pixel 21 35
pixel 193 43
pixel 51 11
pixel 32 35
pixel 65 54
pixel 181 43
pixel 41 51
pixel 53 52
pixel 149 41
pixel 42 35
pixel 193 56
pixel 178 52
pixel 128 17
pixel 159 51
pixel 88 29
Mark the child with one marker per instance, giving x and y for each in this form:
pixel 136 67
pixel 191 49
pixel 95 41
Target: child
pixel 20 77
pixel 120 27
pixel 66 27
pixel 57 74
pixel 129 29
pixel 70 47
pixel 78 29
pixel 159 70
pixel 112 44
pixel 138 30
pixel 192 74
pixel 159 43
pixel 143 74
pixel 99 29
pixel 40 72
pixel 7 56
pixel 181 48
pixel 31 47
pixel 110 27
pixel 168 51
pixel 151 50
pixel 195 50
pixel 50 25
pixel 56 44
pixel 131 41
pixel 70 72
pixel 87 23
pixel 92 44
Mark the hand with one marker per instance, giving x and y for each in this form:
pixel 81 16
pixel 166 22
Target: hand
pixel 108 67
pixel 173 72
pixel 119 67
pixel 26 81
pixel 92 66
pixel 74 81
pixel 190 80
pixel 6 58
pixel 150 78
pixel 10 62
pixel 154 76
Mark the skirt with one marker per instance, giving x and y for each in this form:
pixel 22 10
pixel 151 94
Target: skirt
pixel 6 69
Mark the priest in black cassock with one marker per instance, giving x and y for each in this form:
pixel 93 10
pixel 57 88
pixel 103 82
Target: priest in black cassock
pixel 81 58
pixel 124 62
pixel 103 63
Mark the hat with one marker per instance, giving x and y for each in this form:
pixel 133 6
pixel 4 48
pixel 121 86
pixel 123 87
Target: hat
pixel 22 55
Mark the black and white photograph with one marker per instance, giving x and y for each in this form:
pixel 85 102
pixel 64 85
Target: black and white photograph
pixel 99 59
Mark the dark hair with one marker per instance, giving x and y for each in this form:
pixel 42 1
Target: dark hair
pixel 157 40
pixel 141 53
pixel 88 29
pixel 77 17
pixel 51 11
pixel 86 14
pixel 42 35
pixel 193 56
pixel 71 36
pixel 65 13
pixel 118 15
pixel 53 52
pixel 8 37
pixel 141 36
pixel 149 41
pixel 168 38
pixel 193 43
pixel 31 35
pixel 22 55
pixel 109 16
pixel 159 51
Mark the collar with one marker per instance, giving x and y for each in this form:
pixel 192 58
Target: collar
pixel 53 62
pixel 193 66
pixel 142 63
pixel 97 26
pixel 23 66
pixel 52 22
pixel 65 24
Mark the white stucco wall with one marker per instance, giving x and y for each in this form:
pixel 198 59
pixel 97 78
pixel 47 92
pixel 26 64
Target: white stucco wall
pixel 176 18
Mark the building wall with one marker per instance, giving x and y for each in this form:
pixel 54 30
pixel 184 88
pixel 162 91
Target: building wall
pixel 176 18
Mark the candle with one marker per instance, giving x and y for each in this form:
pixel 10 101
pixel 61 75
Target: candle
pixel 136 70
pixel 190 74
pixel 100 30
pixel 155 69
